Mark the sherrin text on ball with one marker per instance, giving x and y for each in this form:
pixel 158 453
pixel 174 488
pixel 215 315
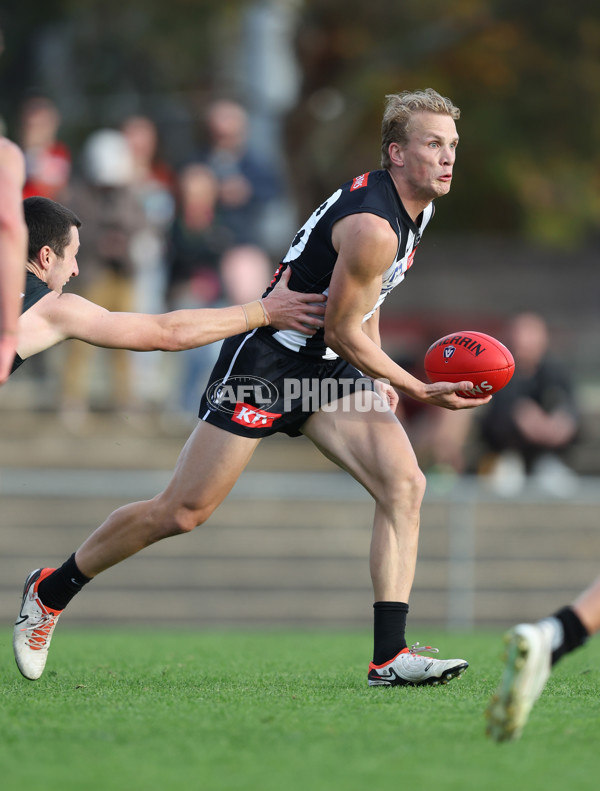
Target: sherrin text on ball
pixel 471 356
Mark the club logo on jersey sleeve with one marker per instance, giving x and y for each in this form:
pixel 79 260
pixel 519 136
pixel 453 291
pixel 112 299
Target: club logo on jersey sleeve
pixel 359 182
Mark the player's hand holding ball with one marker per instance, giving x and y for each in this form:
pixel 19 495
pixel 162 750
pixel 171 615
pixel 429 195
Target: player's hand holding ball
pixel 470 357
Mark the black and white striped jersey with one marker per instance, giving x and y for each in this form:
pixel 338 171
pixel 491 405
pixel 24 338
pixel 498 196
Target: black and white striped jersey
pixel 313 257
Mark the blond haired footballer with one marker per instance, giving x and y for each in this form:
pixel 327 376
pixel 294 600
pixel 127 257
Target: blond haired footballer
pixel 357 245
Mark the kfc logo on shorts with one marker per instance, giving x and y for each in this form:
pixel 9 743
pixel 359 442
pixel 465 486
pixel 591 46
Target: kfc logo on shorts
pixel 359 181
pixel 251 417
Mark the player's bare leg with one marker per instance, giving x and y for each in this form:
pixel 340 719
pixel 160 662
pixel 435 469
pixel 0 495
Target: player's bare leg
pixel 587 607
pixel 373 447
pixel 206 471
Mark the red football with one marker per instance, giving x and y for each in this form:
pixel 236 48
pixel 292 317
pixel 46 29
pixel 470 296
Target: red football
pixel 471 356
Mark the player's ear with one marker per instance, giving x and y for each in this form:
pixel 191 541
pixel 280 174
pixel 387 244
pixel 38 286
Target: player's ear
pixel 45 256
pixel 396 154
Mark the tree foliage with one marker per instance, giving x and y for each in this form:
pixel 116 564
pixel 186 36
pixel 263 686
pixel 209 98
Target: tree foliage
pixel 526 75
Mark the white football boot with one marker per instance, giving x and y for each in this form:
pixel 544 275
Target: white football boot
pixel 409 668
pixel 526 670
pixel 33 628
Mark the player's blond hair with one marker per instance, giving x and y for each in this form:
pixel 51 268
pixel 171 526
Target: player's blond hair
pixel 400 108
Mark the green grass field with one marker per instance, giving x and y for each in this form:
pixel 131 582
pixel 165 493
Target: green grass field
pixel 281 711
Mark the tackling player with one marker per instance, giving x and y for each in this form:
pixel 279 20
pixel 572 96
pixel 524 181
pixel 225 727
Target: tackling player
pixel 49 316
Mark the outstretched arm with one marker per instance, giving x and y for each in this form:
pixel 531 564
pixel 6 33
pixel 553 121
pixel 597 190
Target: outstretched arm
pixel 13 250
pixel 58 317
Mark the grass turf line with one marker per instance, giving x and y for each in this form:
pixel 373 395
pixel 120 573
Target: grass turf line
pixel 285 711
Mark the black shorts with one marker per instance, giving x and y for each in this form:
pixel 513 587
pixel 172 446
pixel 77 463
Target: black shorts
pixel 259 387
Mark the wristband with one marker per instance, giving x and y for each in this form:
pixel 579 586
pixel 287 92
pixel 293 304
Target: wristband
pixel 256 315
pixel 267 317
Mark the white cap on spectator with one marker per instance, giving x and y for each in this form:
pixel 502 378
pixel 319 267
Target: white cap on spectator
pixel 107 159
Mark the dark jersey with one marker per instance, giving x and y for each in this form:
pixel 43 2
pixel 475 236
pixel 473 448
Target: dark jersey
pixel 35 289
pixel 313 257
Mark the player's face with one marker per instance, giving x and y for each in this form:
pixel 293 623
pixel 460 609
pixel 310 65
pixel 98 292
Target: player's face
pixel 65 266
pixel 428 156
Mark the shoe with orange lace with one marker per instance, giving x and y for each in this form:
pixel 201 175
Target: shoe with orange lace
pixel 33 628
pixel 409 668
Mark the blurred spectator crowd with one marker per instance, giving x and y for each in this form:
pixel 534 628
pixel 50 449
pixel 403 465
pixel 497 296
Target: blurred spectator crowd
pixel 156 236
pixel 160 236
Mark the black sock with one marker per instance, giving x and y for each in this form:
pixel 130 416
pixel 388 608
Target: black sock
pixel 57 590
pixel 574 633
pixel 389 628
